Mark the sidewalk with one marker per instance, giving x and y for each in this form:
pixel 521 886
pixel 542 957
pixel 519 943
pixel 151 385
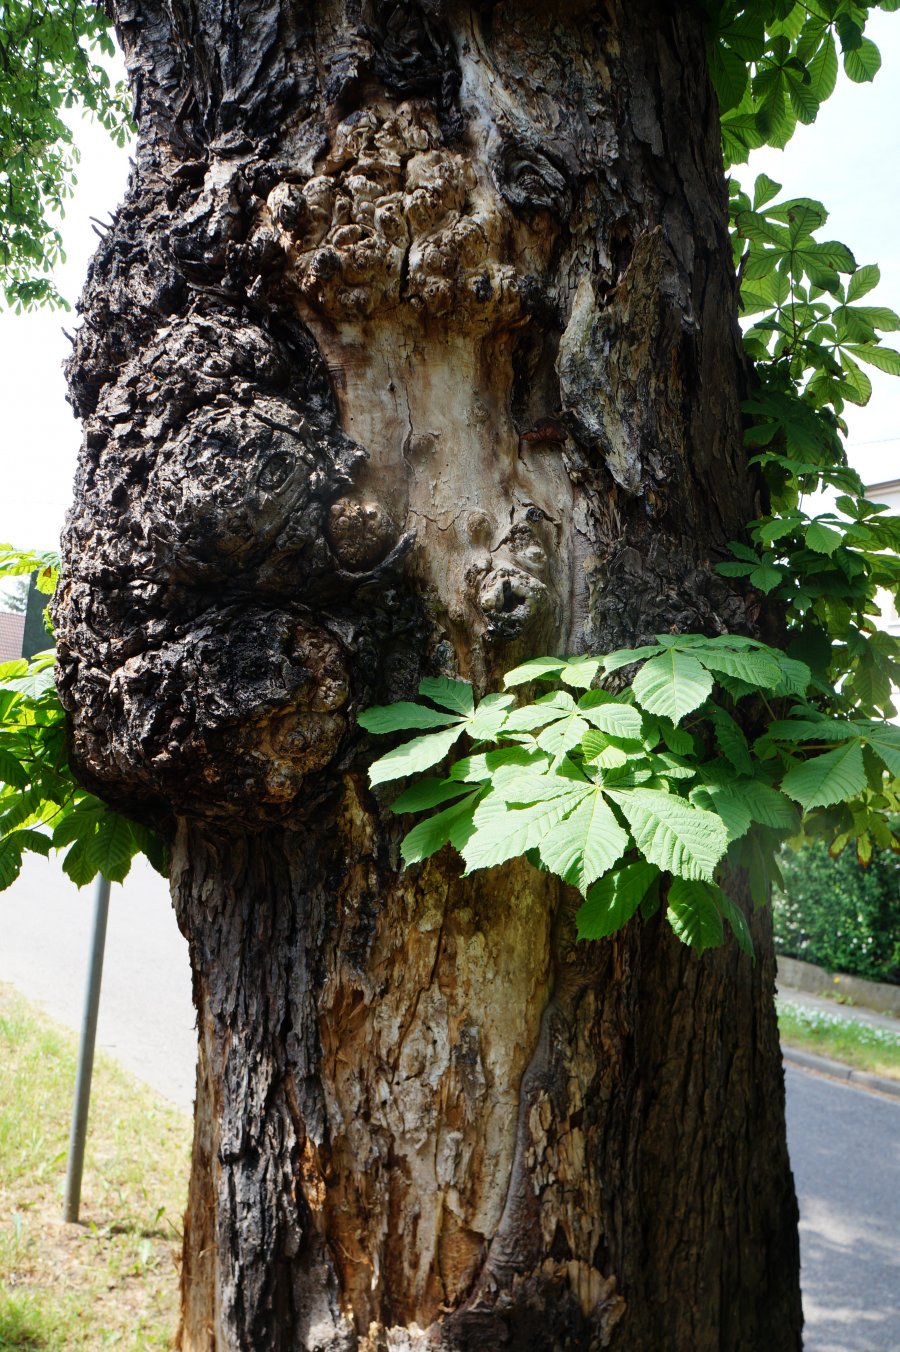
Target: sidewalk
pixel 825 1065
pixel 854 1013
pixel 146 1012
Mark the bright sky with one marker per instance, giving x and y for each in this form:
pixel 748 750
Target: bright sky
pixel 40 435
pixel 849 160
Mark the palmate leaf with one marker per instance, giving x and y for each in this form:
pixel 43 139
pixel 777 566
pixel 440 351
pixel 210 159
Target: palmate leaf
pixel 756 668
pixel 856 385
pixel 489 717
pixel 613 900
pixel 456 715
pixel 678 838
pixel 76 865
pixel 734 814
pixel 35 841
pixel 732 741
pixel 884 358
pixel 862 63
pixel 672 684
pixel 524 784
pixel 152 847
pixel 764 190
pixel 12 771
pixel 729 75
pixel 535 799
pixel 32 685
pixel 884 739
pixel 742 801
pixel 449 694
pixel 795 676
pixel 50 63
pixel 548 709
pixel 823 539
pixel 452 826
pixel 563 735
pixel 812 730
pixel 869 684
pixel 864 280
pixel 626 657
pixel 766 805
pixel 736 919
pixel 578 672
pixel 503 832
pixel 10 861
pixel 678 740
pixel 622 721
pixel 827 779
pixel 111 849
pixel 694 915
pixel 402 715
pixel 766 577
pixel 823 69
pixel 535 669
pixel 16 813
pixel 872 316
pixel 426 794
pixel 81 820
pixel 585 844
pixel 415 756
pixel 597 749
pixel 482 765
pixel 19 563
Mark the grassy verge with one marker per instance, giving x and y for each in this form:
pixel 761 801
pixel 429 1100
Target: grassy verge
pixel 112 1280
pixel 861 1045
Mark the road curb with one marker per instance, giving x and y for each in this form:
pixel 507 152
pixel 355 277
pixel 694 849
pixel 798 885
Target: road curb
pixel 838 1070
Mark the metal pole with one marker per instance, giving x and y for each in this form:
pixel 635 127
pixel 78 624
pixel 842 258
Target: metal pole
pixel 78 1133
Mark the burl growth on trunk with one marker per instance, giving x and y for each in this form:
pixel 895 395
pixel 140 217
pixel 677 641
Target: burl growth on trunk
pixel 412 350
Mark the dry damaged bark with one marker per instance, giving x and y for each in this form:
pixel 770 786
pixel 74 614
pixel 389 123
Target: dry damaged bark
pixel 412 350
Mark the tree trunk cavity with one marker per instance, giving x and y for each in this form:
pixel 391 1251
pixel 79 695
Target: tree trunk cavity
pixel 413 350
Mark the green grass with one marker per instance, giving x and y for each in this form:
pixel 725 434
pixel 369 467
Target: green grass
pixel 861 1045
pixel 112 1280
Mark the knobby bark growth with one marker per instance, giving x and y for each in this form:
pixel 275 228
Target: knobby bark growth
pixel 413 350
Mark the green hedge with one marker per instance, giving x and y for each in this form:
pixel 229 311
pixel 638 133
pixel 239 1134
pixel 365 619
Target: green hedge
pixel 837 914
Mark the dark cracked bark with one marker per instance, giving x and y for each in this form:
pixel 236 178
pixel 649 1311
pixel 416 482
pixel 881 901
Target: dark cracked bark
pixel 413 350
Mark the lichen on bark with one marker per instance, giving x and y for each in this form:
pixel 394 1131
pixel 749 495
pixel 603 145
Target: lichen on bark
pixel 413 350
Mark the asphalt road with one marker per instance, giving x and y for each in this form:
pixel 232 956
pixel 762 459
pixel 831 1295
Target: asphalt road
pixel 845 1150
pixel 146 1014
pixel 845 1141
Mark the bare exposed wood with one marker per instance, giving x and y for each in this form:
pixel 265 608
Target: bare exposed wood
pixel 413 350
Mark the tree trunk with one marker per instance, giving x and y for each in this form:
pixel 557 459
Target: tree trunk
pixel 413 350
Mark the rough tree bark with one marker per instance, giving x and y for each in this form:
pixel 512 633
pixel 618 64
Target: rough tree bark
pixel 412 350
